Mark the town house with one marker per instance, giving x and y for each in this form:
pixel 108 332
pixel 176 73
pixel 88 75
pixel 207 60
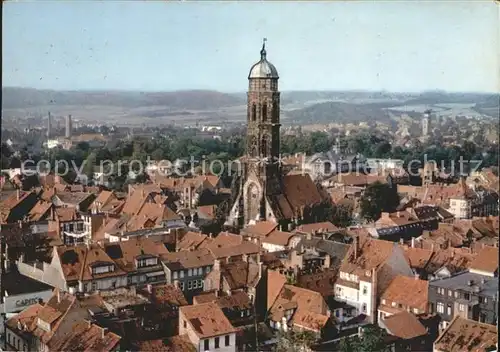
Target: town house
pixel 466 294
pixel 297 308
pixel 404 293
pixel 207 327
pixel 187 269
pixel 140 258
pixel 367 269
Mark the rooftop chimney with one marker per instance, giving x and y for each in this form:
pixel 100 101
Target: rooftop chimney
pixel 58 296
pixel 413 242
pixel 216 264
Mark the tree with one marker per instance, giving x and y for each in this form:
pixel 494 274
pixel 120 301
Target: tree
pixel 372 339
pixel 88 167
pixel 342 216
pixel 295 341
pixel 383 150
pixel 377 198
pixel 338 214
pixel 157 154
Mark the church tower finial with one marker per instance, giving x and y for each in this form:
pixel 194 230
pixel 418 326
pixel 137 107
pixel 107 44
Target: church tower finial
pixel 263 51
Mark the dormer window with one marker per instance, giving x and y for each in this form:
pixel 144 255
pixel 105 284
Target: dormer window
pixel 143 261
pixel 101 268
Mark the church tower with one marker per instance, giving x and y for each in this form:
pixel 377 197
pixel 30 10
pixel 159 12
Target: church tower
pixel 262 191
pixel 263 169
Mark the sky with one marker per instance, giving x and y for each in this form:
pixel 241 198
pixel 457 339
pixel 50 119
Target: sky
pixel 164 46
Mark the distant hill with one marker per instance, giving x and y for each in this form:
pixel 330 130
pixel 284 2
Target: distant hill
pixel 19 98
pixel 332 111
pixel 297 97
pixel 355 111
pixel 433 98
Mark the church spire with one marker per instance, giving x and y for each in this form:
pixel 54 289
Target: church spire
pixel 263 51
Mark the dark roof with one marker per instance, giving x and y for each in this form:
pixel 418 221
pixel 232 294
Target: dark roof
pixel 14 284
pixel 335 250
pixel 466 281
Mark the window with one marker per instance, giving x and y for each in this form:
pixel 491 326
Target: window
pixel 383 301
pixel 94 285
pixel 190 285
pixel 206 344
pixel 217 342
pixel 181 285
pixel 185 324
pixel 190 272
pixel 254 112
pixel 448 309
pixel 363 308
pixel 242 313
pixel 365 290
pixel 176 275
pixel 200 283
pixel 200 271
pixel 264 112
pixel 461 307
pixel 450 293
pixel 466 296
pixel 440 307
pixel 228 339
pixel 457 295
pixel 207 270
pixel 181 273
pixel 415 310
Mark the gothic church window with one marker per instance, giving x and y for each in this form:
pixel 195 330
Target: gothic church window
pixel 264 112
pixel 254 112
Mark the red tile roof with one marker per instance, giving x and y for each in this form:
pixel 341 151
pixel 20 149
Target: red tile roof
pixel 206 320
pixel 408 291
pixel 467 335
pixel 486 260
pixel 404 325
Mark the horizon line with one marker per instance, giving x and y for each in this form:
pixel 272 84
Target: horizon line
pixel 435 90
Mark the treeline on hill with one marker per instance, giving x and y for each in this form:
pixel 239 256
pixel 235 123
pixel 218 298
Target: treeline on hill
pixel 185 144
